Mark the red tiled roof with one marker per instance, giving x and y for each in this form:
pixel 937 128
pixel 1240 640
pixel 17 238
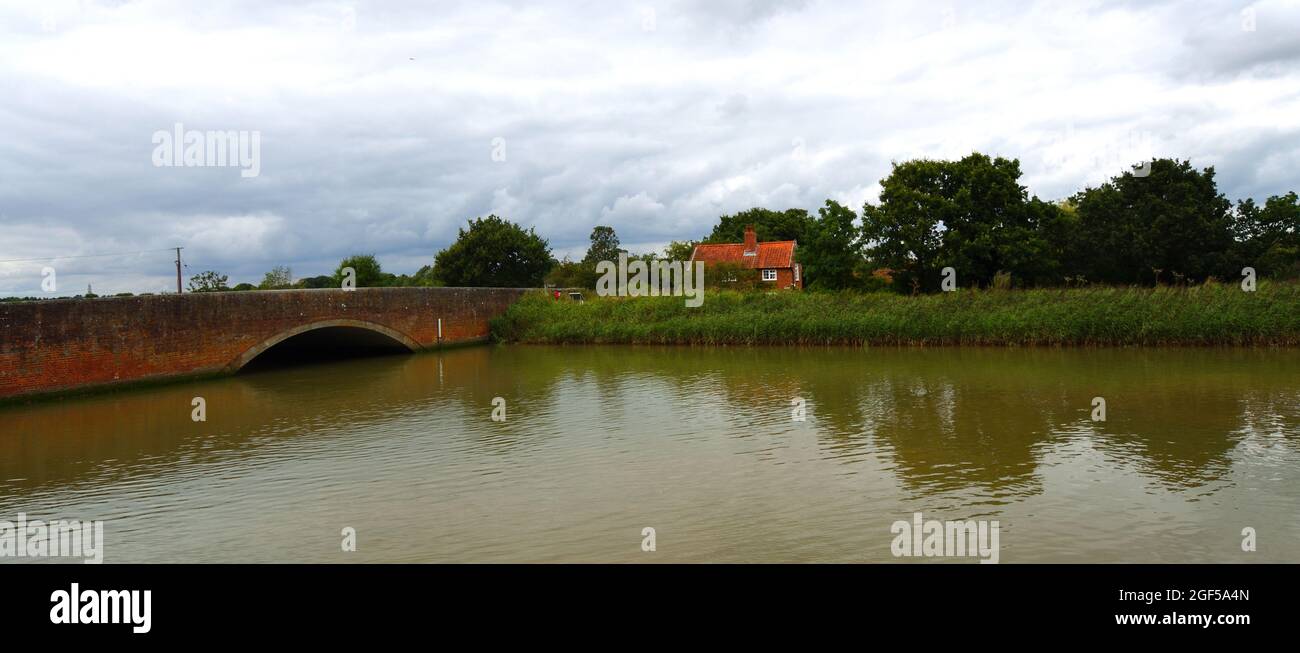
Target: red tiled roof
pixel 775 254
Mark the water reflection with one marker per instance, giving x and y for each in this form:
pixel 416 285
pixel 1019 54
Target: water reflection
pixel 601 439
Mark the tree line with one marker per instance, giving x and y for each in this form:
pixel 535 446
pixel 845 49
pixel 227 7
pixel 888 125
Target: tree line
pixel 1163 222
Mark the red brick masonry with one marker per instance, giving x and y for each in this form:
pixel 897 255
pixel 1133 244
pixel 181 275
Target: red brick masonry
pixel 64 344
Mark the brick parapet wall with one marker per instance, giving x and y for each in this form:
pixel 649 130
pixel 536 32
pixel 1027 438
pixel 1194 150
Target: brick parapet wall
pixel 57 345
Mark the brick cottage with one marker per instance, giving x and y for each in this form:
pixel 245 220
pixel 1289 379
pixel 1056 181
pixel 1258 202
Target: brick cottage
pixel 773 262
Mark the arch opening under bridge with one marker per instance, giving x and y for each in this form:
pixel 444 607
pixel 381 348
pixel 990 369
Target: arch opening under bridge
pixel 322 341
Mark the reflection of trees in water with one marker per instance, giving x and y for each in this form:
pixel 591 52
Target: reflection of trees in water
pixel 947 419
pixel 1188 436
pixel 945 435
pixel 980 419
pixel 148 431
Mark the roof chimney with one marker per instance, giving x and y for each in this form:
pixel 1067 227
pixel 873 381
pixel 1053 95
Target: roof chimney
pixel 751 241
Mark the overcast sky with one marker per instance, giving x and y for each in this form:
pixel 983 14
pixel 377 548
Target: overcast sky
pixel 378 123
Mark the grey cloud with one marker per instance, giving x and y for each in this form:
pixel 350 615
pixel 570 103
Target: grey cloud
pixel 377 120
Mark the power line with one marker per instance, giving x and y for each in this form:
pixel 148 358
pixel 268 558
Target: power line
pixel 53 258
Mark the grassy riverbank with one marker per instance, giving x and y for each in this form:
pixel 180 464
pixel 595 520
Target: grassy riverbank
pixel 1213 314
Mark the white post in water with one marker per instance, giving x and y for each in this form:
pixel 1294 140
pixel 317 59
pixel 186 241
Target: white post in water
pixel 439 328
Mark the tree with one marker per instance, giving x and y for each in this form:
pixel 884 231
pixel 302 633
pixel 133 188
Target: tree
pixel 322 281
pixel 494 252
pixel 903 231
pixel 972 215
pixel 790 224
pixel 424 277
pixel 244 286
pixel 208 281
pixel 571 274
pixel 1059 226
pixel 830 252
pixel 1267 238
pixel 1169 225
pixel 280 276
pixel 369 274
pixel 680 250
pixel 604 247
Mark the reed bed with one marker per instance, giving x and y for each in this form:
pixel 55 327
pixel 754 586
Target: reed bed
pixel 1210 314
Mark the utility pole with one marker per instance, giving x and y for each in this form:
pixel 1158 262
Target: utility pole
pixel 178 270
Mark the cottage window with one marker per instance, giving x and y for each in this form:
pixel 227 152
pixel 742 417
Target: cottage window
pixel 769 275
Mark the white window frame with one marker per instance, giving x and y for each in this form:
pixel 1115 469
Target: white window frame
pixel 767 278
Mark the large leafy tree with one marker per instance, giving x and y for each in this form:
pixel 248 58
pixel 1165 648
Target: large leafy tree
pixel 790 224
pixel 1267 237
pixel 904 231
pixel 208 281
pixel 679 250
pixel 971 214
pixel 604 246
pixel 494 252
pixel 830 252
pixel 322 281
pixel 280 276
pixel 424 277
pixel 369 273
pixel 996 226
pixel 1171 224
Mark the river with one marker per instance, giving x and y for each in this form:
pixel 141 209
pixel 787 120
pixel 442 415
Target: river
pixel 702 445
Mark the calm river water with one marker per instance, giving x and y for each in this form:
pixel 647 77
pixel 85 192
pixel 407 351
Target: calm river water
pixel 699 444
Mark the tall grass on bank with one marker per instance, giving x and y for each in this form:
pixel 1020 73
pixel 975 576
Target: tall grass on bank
pixel 1212 314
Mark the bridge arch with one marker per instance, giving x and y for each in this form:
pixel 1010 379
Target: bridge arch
pixel 397 338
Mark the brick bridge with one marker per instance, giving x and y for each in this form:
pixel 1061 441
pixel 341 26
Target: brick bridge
pixel 66 344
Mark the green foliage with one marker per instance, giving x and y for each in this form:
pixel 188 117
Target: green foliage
pixel 604 247
pixel 280 276
pixel 244 286
pixel 903 231
pixel 369 274
pixel 322 281
pixel 830 252
pixel 208 281
pixel 1268 237
pixel 972 215
pixel 680 250
pixel 424 277
pixel 582 274
pixel 1171 225
pixel 790 224
pixel 571 274
pixel 1209 314
pixel 494 252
